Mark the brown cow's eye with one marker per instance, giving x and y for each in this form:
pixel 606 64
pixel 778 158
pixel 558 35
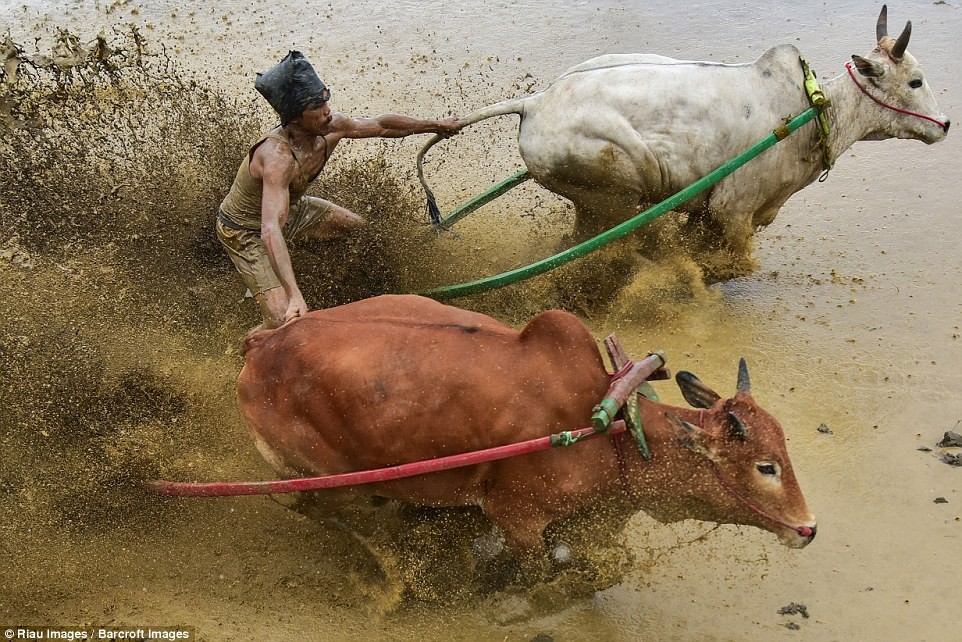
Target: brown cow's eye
pixel 767 469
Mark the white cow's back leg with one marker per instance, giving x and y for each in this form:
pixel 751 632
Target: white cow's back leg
pixel 599 211
pixel 721 242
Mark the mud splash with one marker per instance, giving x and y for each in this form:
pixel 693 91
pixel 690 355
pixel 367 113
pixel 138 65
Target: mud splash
pixel 118 346
pixel 118 349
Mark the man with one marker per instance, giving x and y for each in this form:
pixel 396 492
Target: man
pixel 266 205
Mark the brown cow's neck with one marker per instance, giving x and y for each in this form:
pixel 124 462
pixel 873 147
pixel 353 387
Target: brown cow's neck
pixel 661 484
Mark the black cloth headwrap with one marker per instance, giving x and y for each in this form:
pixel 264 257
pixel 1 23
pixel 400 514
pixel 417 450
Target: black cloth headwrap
pixel 291 86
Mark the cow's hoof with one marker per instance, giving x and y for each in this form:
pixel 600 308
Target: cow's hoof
pixel 489 546
pixel 561 555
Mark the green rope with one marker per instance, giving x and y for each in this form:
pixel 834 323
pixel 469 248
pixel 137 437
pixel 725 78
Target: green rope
pixel 578 251
pixel 484 197
pixel 632 412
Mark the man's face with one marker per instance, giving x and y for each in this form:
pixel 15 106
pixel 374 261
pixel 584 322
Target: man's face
pixel 317 117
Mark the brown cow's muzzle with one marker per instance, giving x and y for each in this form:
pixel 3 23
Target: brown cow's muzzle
pixel 789 534
pixel 798 536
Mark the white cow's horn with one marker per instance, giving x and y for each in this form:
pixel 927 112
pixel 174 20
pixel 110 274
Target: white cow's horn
pixel 898 49
pixel 882 26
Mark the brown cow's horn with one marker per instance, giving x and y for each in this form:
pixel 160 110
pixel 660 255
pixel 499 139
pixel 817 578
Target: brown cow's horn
pixel 744 381
pixel 898 49
pixel 882 26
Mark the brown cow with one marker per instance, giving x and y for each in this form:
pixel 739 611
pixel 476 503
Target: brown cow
pixel 396 379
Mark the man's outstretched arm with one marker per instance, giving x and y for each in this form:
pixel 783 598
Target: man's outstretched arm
pixel 392 126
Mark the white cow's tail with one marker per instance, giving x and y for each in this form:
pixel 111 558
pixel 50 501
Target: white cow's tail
pixel 514 106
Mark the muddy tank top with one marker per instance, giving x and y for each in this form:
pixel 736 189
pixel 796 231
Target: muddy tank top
pixel 242 205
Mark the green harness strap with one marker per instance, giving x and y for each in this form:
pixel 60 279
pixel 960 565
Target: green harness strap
pixel 629 412
pixel 632 417
pixel 818 100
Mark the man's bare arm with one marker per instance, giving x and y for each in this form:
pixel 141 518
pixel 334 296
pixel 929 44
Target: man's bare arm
pixel 392 126
pixel 276 168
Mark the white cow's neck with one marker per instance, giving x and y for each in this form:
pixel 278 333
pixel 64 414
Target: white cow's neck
pixel 850 117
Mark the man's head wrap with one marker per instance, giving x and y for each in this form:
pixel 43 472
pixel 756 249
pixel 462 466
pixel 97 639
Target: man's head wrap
pixel 291 86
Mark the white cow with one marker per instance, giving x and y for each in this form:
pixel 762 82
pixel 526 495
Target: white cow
pixel 623 131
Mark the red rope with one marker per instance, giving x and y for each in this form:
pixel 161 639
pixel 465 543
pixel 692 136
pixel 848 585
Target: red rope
pixel 851 73
pixel 623 370
pixel 623 467
pixel 391 473
pixel 804 531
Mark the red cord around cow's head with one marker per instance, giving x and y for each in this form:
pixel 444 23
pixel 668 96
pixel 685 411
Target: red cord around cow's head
pixel 804 531
pixel 944 126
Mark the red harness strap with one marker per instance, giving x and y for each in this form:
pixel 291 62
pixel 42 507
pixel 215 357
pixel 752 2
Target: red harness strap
pixel 622 465
pixel 804 531
pixel 622 371
pixel 617 438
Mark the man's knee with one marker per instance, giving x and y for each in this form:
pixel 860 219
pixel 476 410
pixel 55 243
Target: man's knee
pixel 338 223
pixel 344 219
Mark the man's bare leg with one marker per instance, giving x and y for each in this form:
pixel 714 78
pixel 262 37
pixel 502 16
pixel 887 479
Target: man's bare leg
pixel 273 303
pixel 339 223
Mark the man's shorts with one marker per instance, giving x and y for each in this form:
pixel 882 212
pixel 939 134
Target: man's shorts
pixel 246 250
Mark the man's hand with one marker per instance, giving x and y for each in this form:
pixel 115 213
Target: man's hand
pixel 449 126
pixel 296 307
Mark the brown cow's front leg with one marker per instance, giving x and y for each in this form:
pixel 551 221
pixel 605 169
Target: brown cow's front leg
pixel 523 528
pixel 318 505
pixel 529 549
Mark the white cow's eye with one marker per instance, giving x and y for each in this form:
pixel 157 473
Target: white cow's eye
pixel 767 468
pixel 915 84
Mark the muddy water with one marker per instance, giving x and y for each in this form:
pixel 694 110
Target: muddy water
pixel 852 320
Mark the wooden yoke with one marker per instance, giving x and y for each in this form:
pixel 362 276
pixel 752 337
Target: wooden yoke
pixel 629 411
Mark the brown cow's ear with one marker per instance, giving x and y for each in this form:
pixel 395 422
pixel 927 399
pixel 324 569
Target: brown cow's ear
pixel 690 437
pixel 868 68
pixel 697 394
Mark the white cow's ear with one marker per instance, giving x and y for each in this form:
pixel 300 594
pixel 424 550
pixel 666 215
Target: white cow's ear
pixel 868 68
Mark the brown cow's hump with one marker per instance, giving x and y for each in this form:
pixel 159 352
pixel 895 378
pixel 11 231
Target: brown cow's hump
pixel 556 325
